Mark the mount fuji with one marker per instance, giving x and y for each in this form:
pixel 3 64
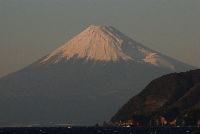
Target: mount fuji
pixel 83 82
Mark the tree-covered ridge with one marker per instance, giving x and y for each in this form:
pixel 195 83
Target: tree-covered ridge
pixel 172 99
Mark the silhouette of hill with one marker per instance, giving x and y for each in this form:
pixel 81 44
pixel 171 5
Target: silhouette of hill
pixel 172 99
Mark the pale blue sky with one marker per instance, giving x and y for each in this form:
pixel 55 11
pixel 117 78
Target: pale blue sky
pixel 31 29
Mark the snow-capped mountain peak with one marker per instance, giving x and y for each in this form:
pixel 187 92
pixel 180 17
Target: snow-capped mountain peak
pixel 96 42
pixel 105 43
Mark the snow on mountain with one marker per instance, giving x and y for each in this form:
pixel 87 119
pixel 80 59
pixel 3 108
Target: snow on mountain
pixel 105 43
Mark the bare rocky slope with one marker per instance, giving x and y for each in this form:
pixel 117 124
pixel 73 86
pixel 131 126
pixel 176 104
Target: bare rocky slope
pixel 172 99
pixel 83 82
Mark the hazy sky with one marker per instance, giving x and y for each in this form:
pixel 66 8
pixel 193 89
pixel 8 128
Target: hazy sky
pixel 31 29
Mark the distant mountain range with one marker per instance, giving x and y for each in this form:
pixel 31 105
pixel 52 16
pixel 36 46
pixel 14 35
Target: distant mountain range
pixel 172 99
pixel 83 82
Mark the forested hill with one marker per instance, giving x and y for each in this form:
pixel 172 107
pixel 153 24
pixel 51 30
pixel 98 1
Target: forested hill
pixel 172 99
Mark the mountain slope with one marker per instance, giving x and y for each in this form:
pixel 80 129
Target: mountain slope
pixel 173 97
pixel 83 82
pixel 105 43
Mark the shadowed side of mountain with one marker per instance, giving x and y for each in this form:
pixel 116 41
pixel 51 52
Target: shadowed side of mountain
pixel 79 91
